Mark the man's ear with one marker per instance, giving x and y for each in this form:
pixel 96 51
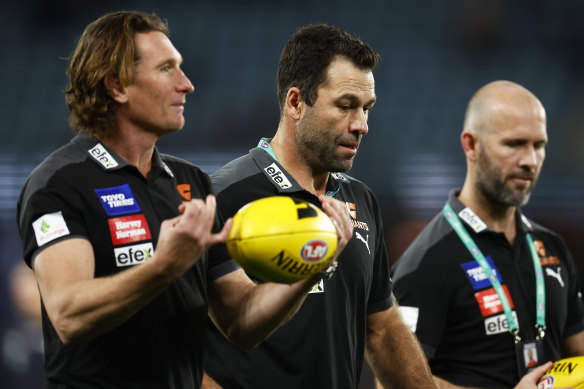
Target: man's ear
pixel 115 89
pixel 470 145
pixel 295 105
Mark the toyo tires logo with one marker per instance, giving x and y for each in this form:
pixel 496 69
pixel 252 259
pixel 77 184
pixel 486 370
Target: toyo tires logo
pixel 314 250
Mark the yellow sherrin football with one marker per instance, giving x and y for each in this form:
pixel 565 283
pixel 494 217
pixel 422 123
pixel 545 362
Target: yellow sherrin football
pixel 567 372
pixel 282 239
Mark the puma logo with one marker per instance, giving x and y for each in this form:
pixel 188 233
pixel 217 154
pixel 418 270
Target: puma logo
pixel 360 237
pixel 557 275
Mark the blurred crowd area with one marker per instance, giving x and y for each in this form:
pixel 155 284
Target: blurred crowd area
pixel 435 54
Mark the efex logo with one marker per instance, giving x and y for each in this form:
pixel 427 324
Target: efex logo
pixel 133 255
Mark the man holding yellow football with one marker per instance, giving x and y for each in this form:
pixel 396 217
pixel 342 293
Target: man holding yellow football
pixel 326 90
pixel 491 295
pixel 127 266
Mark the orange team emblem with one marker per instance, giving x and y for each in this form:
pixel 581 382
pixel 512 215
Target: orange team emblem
pixel 185 191
pixel 352 209
pixel 544 259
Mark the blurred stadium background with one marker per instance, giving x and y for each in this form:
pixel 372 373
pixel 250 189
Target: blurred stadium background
pixel 435 54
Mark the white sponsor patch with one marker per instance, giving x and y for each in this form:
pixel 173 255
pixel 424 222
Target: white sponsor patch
pixel 472 220
pixel 498 324
pixel 100 154
pixel 278 176
pixel 133 255
pixel 409 316
pixel 49 227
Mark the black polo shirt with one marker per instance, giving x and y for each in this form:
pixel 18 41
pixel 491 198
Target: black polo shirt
pixel 455 312
pixel 322 346
pixel 84 190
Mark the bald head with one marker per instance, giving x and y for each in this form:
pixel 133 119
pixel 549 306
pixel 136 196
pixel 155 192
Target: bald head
pixel 498 105
pixel 504 140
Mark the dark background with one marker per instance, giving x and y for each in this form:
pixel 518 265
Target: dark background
pixel 435 54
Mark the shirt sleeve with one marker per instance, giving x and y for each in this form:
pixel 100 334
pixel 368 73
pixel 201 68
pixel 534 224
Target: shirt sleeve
pixel 423 296
pixel 46 215
pixel 381 296
pixel 575 319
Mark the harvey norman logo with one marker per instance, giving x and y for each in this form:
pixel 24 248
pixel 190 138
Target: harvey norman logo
pixel 133 255
pixel 100 154
pixel 277 176
pixel 128 229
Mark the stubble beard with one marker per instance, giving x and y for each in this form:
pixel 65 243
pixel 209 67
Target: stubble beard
pixel 317 147
pixel 493 188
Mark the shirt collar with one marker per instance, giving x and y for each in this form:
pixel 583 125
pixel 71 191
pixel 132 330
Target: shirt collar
pixel 280 178
pixel 108 159
pixel 475 223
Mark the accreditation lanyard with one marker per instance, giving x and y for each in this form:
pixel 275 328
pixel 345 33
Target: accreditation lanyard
pixel 264 145
pixel 492 276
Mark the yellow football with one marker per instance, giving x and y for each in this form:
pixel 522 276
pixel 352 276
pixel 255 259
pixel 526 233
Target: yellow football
pixel 282 239
pixel 567 372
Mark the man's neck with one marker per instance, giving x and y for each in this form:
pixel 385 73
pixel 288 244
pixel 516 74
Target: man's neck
pixel 496 217
pixel 135 149
pixel 313 181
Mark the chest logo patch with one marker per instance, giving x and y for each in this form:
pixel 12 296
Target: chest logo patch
pixel 133 255
pixel 129 229
pixel 185 191
pixel 118 200
pixel 498 324
pixel 352 210
pixel 489 302
pixel 364 240
pixel 545 259
pixel 476 274
pixel 557 275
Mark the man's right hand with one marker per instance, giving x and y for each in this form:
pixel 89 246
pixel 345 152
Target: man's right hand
pixel 185 238
pixel 529 381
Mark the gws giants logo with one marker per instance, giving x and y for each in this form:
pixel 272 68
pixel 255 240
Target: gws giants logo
pixel 314 251
pixel 352 209
pixel 185 191
pixel 133 255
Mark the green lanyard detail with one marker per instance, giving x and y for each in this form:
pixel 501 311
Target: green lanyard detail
pixel 492 276
pixel 265 145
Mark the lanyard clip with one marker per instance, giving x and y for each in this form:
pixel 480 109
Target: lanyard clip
pixel 516 337
pixel 540 331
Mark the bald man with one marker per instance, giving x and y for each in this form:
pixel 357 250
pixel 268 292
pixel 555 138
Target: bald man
pixel 482 286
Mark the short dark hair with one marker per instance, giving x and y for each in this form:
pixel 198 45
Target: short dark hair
pixel 107 47
pixel 308 54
